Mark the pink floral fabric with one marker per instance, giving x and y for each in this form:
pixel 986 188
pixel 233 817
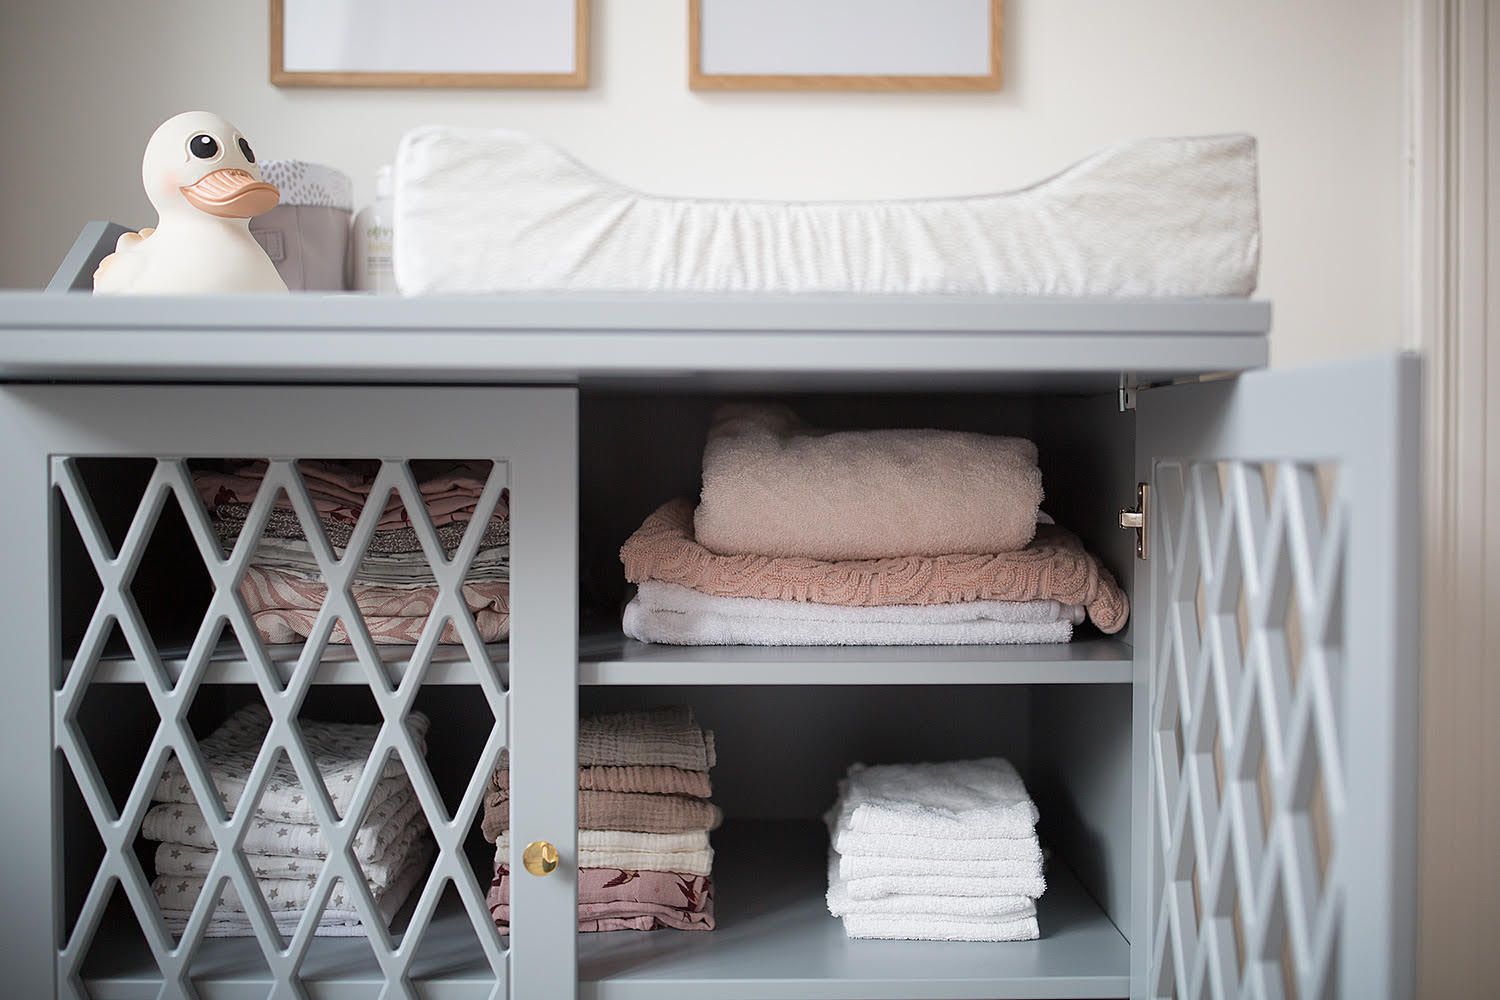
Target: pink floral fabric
pixel 617 899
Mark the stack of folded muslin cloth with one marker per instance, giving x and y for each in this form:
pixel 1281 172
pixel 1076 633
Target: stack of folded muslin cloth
pixel 899 537
pixel 643 817
pixel 284 848
pixel 393 588
pixel 935 852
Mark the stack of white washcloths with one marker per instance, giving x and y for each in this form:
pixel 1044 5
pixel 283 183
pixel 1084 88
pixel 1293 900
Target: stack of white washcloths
pixel 935 852
pixel 284 847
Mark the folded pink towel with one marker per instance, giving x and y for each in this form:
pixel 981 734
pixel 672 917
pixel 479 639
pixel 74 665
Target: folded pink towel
pixel 772 487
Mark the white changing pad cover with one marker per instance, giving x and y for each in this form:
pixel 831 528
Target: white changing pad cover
pixel 502 211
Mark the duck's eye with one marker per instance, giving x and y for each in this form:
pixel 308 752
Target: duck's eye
pixel 245 148
pixel 203 146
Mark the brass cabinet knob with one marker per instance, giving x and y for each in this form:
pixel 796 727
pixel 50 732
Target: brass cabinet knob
pixel 540 858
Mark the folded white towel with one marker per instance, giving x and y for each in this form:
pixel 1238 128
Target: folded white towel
pixel 965 907
pixel 877 886
pixel 338 919
pixel 895 845
pixel 852 866
pixel 679 616
pixel 929 927
pixel 967 799
pixel 658 596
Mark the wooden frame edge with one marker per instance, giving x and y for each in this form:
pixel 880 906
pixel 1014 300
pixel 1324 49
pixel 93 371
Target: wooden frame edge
pixel 579 78
pixel 698 80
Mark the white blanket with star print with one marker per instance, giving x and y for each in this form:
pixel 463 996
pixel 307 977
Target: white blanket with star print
pixel 181 825
pixel 287 899
pixel 339 750
pixel 179 860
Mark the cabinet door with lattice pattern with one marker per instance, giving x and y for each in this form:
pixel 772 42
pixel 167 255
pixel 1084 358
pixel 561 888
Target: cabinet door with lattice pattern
pixel 1280 657
pixel 293 685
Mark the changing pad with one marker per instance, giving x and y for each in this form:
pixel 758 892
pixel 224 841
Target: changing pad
pixel 501 211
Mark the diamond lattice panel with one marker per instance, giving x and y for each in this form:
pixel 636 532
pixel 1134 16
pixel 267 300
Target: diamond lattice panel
pixel 1246 757
pixel 226 640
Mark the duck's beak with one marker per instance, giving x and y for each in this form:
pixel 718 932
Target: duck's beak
pixel 231 194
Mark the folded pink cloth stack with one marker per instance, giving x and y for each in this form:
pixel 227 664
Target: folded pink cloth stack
pixel 1055 567
pixel 643 818
pixel 394 589
pixel 939 527
pixel 284 606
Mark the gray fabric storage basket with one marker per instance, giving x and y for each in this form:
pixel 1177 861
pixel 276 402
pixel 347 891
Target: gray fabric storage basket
pixel 307 234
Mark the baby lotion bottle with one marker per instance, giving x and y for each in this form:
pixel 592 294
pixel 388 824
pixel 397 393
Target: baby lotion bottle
pixel 372 243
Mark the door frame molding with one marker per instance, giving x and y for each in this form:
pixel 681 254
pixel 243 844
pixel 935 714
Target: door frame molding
pixel 1453 258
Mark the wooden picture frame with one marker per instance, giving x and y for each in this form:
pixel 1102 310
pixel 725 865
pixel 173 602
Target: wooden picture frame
pixel 990 80
pixel 575 78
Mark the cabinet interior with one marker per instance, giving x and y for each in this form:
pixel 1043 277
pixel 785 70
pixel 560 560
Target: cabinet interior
pixel 782 747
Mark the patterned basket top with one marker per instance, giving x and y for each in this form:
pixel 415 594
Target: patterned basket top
pixel 303 183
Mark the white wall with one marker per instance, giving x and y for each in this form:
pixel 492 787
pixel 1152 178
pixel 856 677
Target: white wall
pixel 84 82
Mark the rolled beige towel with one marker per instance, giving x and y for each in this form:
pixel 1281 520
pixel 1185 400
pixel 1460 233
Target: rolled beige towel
pixel 773 487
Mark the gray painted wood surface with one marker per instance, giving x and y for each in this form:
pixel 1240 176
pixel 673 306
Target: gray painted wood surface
pixel 1076 718
pixel 1296 490
pixel 94 243
pixel 529 432
pixel 634 343
pixel 646 341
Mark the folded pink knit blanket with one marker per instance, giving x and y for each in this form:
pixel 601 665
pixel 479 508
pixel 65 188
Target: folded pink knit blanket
pixel 284 606
pixel 1055 566
pixel 773 487
pixel 617 899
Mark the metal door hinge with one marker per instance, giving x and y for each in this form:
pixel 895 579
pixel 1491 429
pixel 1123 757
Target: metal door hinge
pixel 1128 390
pixel 1138 518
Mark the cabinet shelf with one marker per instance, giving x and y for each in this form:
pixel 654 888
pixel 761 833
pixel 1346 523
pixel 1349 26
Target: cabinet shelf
pixel 774 938
pixel 338 665
pixel 449 963
pixel 610 658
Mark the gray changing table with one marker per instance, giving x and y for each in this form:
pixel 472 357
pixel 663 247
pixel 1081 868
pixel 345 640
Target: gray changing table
pixel 1227 787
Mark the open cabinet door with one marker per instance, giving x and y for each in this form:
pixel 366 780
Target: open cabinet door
pixel 1279 646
